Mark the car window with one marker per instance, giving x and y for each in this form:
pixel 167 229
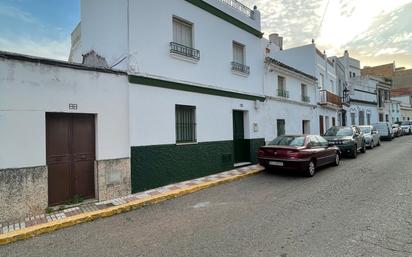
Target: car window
pixel 314 141
pixel 337 131
pixel 289 141
pixel 366 130
pixel 322 141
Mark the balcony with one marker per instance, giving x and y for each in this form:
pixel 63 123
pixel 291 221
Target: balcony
pixel 283 93
pixel 305 99
pixel 329 98
pixel 239 7
pixel 185 51
pixel 238 67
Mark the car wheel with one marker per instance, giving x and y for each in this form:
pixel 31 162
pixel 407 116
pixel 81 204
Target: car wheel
pixel 310 170
pixel 337 159
pixel 363 149
pixel 372 144
pixel 354 153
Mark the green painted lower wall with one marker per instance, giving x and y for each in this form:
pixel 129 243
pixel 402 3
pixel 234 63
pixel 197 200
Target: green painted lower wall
pixel 159 165
pixel 254 147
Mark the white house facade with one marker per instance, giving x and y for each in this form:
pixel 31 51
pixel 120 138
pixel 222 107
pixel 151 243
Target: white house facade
pixel 64 134
pixel 310 60
pixel 195 91
pixel 290 106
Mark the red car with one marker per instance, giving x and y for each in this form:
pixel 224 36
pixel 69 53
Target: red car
pixel 298 152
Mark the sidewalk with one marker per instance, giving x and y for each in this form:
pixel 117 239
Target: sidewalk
pixel 11 231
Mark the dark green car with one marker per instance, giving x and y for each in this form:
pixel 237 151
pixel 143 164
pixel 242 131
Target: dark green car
pixel 350 140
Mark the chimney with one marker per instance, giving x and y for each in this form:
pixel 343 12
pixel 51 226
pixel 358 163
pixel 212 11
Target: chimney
pixel 346 54
pixel 275 39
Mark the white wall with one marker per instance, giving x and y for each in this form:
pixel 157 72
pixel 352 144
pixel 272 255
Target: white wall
pixel 152 115
pixel 29 90
pixel 302 58
pixel 292 114
pixel 104 28
pixel 292 82
pixel 355 108
pixel 22 137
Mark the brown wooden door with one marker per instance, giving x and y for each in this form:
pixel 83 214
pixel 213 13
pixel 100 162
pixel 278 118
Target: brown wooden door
pixel 321 128
pixel 70 150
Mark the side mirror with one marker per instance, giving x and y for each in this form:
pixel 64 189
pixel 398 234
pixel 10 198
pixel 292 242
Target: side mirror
pixel 308 145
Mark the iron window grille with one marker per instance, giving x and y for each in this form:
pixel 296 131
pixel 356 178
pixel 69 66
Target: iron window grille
pixel 185 124
pixel 305 99
pixel 283 93
pixel 183 50
pixel 240 68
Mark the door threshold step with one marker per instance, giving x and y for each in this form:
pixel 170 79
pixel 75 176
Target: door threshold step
pixel 240 164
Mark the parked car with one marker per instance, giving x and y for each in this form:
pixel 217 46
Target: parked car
pixel 397 131
pixel 385 130
pixel 350 140
pixel 406 127
pixel 371 136
pixel 298 152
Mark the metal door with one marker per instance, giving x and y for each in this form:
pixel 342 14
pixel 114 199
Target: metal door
pixel 70 156
pixel 241 146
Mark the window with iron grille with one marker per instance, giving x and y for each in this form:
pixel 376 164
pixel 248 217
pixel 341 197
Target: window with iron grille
pixel 361 118
pixel 280 126
pixel 352 119
pixel 182 32
pixel 185 124
pixel 368 118
pixel 238 53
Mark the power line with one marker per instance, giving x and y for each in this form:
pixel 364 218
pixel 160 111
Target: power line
pixel 323 17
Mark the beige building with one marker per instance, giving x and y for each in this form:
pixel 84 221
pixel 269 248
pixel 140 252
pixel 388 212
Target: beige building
pixel 402 77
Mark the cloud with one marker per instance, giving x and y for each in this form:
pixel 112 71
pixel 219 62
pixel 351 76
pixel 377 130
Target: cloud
pixel 382 28
pixel 48 48
pixel 389 35
pixel 15 13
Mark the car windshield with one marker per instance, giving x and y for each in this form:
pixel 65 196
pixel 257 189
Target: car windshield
pixel 365 130
pixel 405 123
pixel 336 131
pixel 289 141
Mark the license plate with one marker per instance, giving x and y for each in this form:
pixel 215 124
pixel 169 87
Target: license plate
pixel 276 163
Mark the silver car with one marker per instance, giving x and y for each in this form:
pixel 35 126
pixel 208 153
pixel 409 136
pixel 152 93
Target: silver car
pixel 372 137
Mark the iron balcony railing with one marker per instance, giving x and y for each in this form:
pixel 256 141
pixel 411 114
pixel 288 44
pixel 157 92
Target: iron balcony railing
pixel 283 93
pixel 329 97
pixel 183 50
pixel 305 99
pixel 239 7
pixel 240 68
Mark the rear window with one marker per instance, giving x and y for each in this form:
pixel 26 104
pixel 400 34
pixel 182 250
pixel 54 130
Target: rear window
pixel 365 130
pixel 289 141
pixel 336 131
pixel 380 126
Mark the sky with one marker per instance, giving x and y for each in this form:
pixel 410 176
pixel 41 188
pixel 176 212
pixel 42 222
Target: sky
pixel 374 31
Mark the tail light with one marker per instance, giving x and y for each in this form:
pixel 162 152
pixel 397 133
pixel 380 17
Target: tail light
pixel 295 154
pixel 261 152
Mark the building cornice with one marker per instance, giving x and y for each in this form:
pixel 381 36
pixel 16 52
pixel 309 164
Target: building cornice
pixel 363 102
pixel 189 87
pixel 294 71
pixel 224 16
pixel 286 100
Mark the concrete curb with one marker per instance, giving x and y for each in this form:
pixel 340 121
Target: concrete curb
pixel 90 216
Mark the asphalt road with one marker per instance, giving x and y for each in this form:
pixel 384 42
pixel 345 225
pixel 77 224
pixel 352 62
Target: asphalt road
pixel 361 208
